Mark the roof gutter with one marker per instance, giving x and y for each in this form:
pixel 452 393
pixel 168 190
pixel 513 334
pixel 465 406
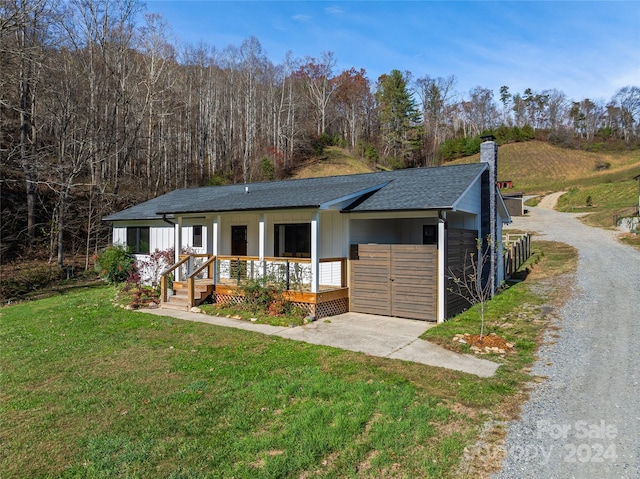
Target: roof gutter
pixel 167 220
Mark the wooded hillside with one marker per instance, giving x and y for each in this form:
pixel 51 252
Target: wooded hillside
pixel 98 112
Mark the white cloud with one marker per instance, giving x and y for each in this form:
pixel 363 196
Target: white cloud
pixel 334 10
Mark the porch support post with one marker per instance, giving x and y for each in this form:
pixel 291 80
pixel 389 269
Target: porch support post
pixel 262 241
pixel 315 263
pixel 178 245
pixel 442 270
pixel 215 246
pixel 216 236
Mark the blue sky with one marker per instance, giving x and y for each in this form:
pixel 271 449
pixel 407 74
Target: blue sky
pixel 585 49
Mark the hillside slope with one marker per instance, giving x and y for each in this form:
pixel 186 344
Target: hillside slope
pixel 600 184
pixel 537 167
pixel 534 167
pixel 334 161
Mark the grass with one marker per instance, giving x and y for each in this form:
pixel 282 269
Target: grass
pixel 631 239
pixel 517 314
pixel 91 390
pixel 334 161
pixel 600 201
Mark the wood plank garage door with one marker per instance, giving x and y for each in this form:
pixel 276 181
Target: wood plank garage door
pixel 395 280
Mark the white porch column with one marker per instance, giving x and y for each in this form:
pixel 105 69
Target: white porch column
pixel 442 271
pixel 177 244
pixel 262 237
pixel 315 253
pixel 262 244
pixel 216 236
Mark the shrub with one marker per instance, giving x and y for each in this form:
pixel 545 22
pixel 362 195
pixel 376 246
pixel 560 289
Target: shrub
pixel 267 169
pixel 115 264
pixel 134 295
pixel 258 295
pixel 526 133
pixel 265 295
pixel 152 266
pixel 371 154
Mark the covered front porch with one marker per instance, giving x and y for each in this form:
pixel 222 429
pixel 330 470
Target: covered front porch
pixel 196 277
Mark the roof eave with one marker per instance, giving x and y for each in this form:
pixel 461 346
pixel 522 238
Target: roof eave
pixel 236 210
pixel 400 210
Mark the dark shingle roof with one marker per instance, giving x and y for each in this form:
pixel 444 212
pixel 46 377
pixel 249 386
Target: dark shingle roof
pixel 410 189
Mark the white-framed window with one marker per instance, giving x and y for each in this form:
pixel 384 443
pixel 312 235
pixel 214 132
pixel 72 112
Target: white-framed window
pixel 138 239
pixel 197 236
pixel 293 240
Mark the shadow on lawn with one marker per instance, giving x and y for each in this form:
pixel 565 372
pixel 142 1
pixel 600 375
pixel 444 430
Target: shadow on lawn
pixel 55 289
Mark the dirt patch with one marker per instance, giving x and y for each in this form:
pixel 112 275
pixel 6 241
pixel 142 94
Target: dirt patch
pixel 484 457
pixel 489 343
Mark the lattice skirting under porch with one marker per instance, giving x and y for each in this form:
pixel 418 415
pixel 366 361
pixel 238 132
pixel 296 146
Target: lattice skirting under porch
pixel 320 310
pixel 228 299
pixel 331 308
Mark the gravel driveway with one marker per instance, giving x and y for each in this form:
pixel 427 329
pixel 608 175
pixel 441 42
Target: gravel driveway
pixel 584 420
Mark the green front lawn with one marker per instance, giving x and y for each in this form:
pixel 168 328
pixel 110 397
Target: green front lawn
pixel 94 391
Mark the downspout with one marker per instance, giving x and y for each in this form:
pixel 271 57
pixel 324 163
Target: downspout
pixel 442 267
pixel 167 220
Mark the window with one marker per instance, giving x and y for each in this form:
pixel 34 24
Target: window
pixel 197 236
pixel 430 234
pixel 138 239
pixel 293 240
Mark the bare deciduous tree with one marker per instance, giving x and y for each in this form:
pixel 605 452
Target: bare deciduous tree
pixel 474 282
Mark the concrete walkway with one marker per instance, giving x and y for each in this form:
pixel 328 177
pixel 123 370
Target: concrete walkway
pixel 382 336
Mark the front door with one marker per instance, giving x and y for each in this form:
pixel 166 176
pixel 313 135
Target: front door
pixel 238 248
pixel 239 240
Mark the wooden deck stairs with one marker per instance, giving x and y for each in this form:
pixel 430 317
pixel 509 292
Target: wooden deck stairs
pixel 180 300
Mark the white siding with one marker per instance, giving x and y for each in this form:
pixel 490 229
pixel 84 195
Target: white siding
pixel 470 201
pixel 251 222
pixel 333 240
pixel 161 238
pixel 119 236
pixel 187 239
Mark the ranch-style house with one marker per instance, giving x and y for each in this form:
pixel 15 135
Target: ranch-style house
pixel 382 243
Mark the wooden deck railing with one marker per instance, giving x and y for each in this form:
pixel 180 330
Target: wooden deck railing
pixel 191 280
pixel 294 273
pixel 165 277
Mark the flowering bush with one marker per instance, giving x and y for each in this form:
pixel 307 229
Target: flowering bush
pixel 115 264
pixel 152 266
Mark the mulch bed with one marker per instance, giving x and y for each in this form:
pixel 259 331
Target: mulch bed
pixel 489 343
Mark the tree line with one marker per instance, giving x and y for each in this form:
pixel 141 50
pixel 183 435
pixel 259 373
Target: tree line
pixel 99 112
